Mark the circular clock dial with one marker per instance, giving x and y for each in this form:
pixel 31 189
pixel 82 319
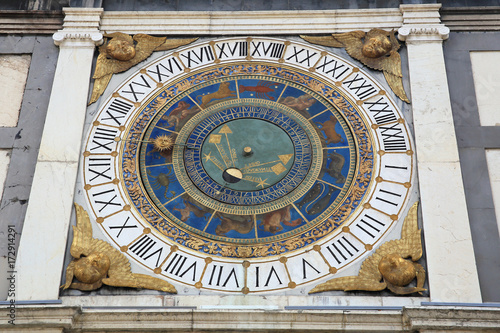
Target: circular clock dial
pixel 249 171
pixel 253 169
pixel 261 154
pixel 279 153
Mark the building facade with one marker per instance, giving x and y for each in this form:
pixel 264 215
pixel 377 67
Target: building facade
pixel 54 150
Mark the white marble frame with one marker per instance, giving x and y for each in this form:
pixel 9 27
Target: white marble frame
pixel 451 264
pixel 43 240
pixel 450 255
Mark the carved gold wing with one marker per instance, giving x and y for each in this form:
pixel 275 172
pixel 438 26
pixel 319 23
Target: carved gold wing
pixel 323 40
pixel 83 243
pixel 390 64
pixel 175 43
pixel 369 277
pixel 119 273
pixel 106 66
pixel 411 235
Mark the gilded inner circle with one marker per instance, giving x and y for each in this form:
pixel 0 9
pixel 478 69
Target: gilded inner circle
pixel 283 158
pixel 256 154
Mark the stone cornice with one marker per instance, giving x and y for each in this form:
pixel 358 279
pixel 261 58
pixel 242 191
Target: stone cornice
pixel 422 23
pixel 30 21
pixel 205 23
pixel 48 22
pixel 471 18
pixel 80 28
pixel 172 319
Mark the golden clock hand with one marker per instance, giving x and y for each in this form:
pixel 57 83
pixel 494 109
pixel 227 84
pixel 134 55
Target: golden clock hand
pixel 277 169
pixel 214 160
pixel 216 139
pixel 282 158
pixel 256 170
pixel 226 130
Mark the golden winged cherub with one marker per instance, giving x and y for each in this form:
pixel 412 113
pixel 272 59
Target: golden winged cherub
pixel 121 51
pixel 377 49
pixel 387 267
pixel 96 263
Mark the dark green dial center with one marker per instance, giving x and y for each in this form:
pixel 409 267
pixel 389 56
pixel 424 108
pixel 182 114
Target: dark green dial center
pixel 247 154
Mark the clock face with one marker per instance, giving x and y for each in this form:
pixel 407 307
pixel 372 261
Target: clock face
pixel 247 165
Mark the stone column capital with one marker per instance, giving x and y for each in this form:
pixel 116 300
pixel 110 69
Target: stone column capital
pixel 80 28
pixel 422 23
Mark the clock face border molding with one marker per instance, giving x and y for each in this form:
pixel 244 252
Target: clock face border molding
pixel 180 173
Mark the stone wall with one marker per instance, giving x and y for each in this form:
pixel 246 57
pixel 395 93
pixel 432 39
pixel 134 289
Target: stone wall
pixel 467 90
pixel 21 139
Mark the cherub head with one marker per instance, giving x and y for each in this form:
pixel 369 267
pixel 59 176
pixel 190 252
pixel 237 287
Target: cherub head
pixel 397 270
pixel 92 268
pixel 376 46
pixel 120 49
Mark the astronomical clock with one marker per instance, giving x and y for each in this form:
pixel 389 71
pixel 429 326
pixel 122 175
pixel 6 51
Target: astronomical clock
pixel 247 166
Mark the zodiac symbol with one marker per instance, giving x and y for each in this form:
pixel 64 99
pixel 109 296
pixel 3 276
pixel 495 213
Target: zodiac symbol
pixel 190 208
pixel 177 114
pixel 336 166
pixel 272 220
pixel 300 104
pixel 328 127
pixel 164 180
pixel 321 204
pixel 243 226
pixel 223 92
pixel 311 195
pixel 261 89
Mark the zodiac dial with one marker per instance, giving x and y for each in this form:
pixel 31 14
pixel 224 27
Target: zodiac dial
pixel 240 166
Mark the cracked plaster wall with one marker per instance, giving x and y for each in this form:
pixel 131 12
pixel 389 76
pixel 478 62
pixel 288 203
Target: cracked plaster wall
pixel 473 140
pixel 23 140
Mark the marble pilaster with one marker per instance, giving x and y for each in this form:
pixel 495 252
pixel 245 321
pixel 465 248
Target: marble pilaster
pixel 451 263
pixel 43 240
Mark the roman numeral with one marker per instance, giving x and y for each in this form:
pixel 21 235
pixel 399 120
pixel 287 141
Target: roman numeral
pixel 176 266
pixel 203 52
pixel 381 112
pixel 123 226
pixel 362 89
pixel 306 56
pixel 393 138
pixel 272 272
pixel 103 137
pixel 304 268
pixel 272 50
pixel 117 110
pixel 239 49
pixel 368 224
pixel 395 167
pixel 144 84
pixel 143 246
pixel 106 203
pixel 100 166
pixel 389 195
pixel 332 69
pixel 170 69
pixel 342 249
pixel 217 275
